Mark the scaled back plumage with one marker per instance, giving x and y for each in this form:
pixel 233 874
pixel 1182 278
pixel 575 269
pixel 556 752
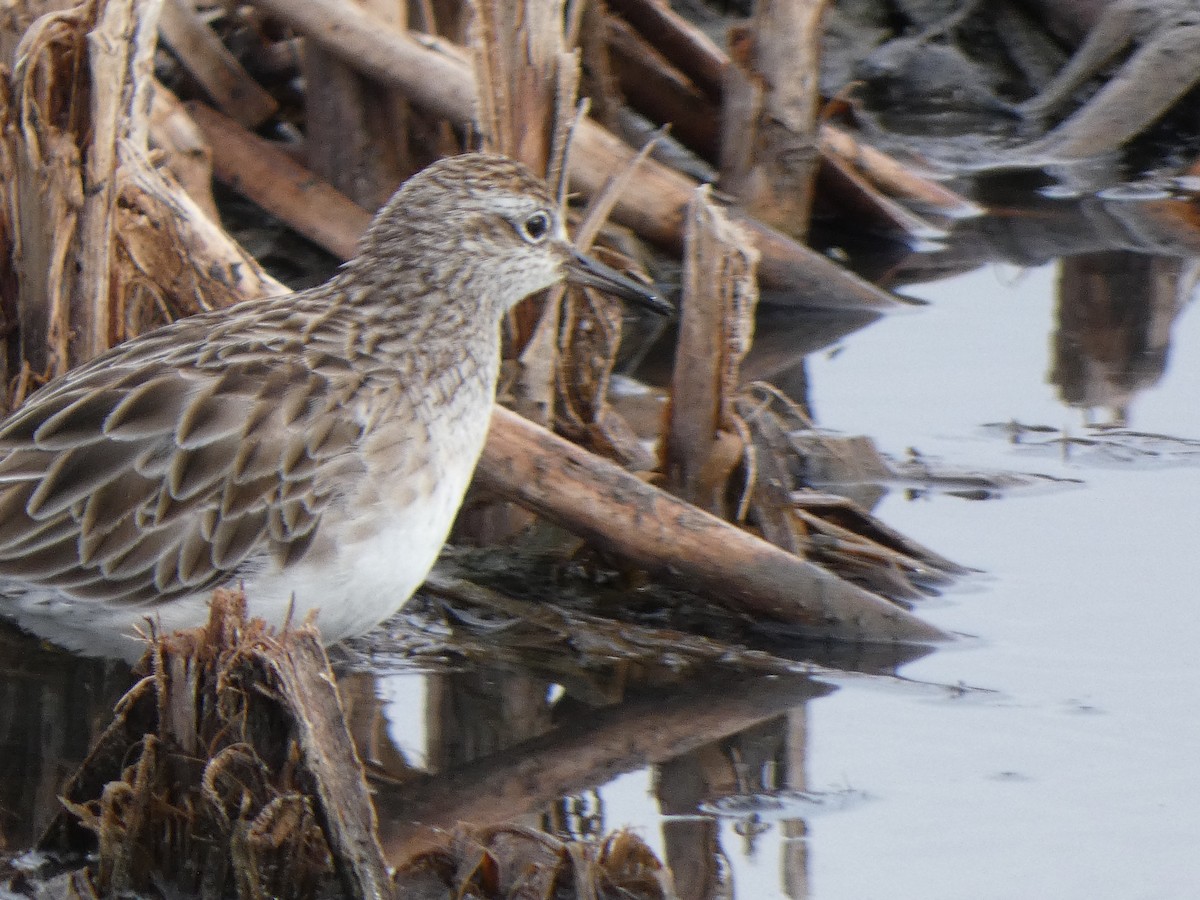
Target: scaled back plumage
pixel 314 446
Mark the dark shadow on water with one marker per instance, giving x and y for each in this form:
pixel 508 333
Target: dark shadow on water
pixel 714 736
pixel 52 706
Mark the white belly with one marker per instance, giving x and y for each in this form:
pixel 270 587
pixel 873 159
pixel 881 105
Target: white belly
pixel 369 575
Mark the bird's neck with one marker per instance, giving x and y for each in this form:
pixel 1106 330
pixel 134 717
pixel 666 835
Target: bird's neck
pixel 425 334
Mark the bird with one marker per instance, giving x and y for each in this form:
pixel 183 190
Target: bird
pixel 313 448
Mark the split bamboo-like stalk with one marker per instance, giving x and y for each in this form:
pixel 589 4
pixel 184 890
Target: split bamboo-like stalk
pixel 107 244
pixel 769 148
pixel 228 766
pixel 705 438
pixel 525 86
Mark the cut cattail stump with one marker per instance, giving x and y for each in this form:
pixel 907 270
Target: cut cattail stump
pixel 227 768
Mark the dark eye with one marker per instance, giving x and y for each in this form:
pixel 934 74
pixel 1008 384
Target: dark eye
pixel 536 227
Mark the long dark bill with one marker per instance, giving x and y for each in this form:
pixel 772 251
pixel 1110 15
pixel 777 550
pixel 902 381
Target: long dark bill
pixel 588 272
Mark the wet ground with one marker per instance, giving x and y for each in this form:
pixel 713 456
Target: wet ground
pixel 1050 752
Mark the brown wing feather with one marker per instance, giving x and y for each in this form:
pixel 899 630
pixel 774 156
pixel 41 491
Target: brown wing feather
pixel 149 474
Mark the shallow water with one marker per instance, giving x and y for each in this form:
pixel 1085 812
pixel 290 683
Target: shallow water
pixel 1078 778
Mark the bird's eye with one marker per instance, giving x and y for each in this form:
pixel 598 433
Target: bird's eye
pixel 535 228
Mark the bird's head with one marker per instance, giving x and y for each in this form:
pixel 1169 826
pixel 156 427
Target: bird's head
pixel 484 228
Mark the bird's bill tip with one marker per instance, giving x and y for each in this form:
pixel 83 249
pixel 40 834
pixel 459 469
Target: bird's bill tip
pixel 588 272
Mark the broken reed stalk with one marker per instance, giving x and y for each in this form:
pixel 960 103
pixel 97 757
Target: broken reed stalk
pixel 684 46
pixel 896 180
pixel 357 132
pixel 525 87
pixel 589 339
pixel 525 84
pixel 618 513
pixel 287 190
pixel 769 149
pixel 227 768
pixel 705 437
pixel 668 51
pixel 216 69
pixel 108 244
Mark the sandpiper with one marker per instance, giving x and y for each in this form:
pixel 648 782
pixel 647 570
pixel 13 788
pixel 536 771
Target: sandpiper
pixel 313 447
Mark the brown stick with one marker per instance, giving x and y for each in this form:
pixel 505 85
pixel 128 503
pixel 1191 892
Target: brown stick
pixel 652 85
pixel 687 47
pixel 705 63
pixel 716 323
pixel 862 203
pixel 616 512
pixel 280 185
pixel 769 114
pixel 305 682
pixel 356 132
pixel 432 78
pixel 210 63
pixel 892 177
pixel 803 277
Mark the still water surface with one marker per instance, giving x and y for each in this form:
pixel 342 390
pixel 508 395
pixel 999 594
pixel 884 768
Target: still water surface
pixel 1078 778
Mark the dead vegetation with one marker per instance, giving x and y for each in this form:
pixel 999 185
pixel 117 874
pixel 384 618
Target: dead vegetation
pixel 110 242
pixel 315 110
pixel 226 769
